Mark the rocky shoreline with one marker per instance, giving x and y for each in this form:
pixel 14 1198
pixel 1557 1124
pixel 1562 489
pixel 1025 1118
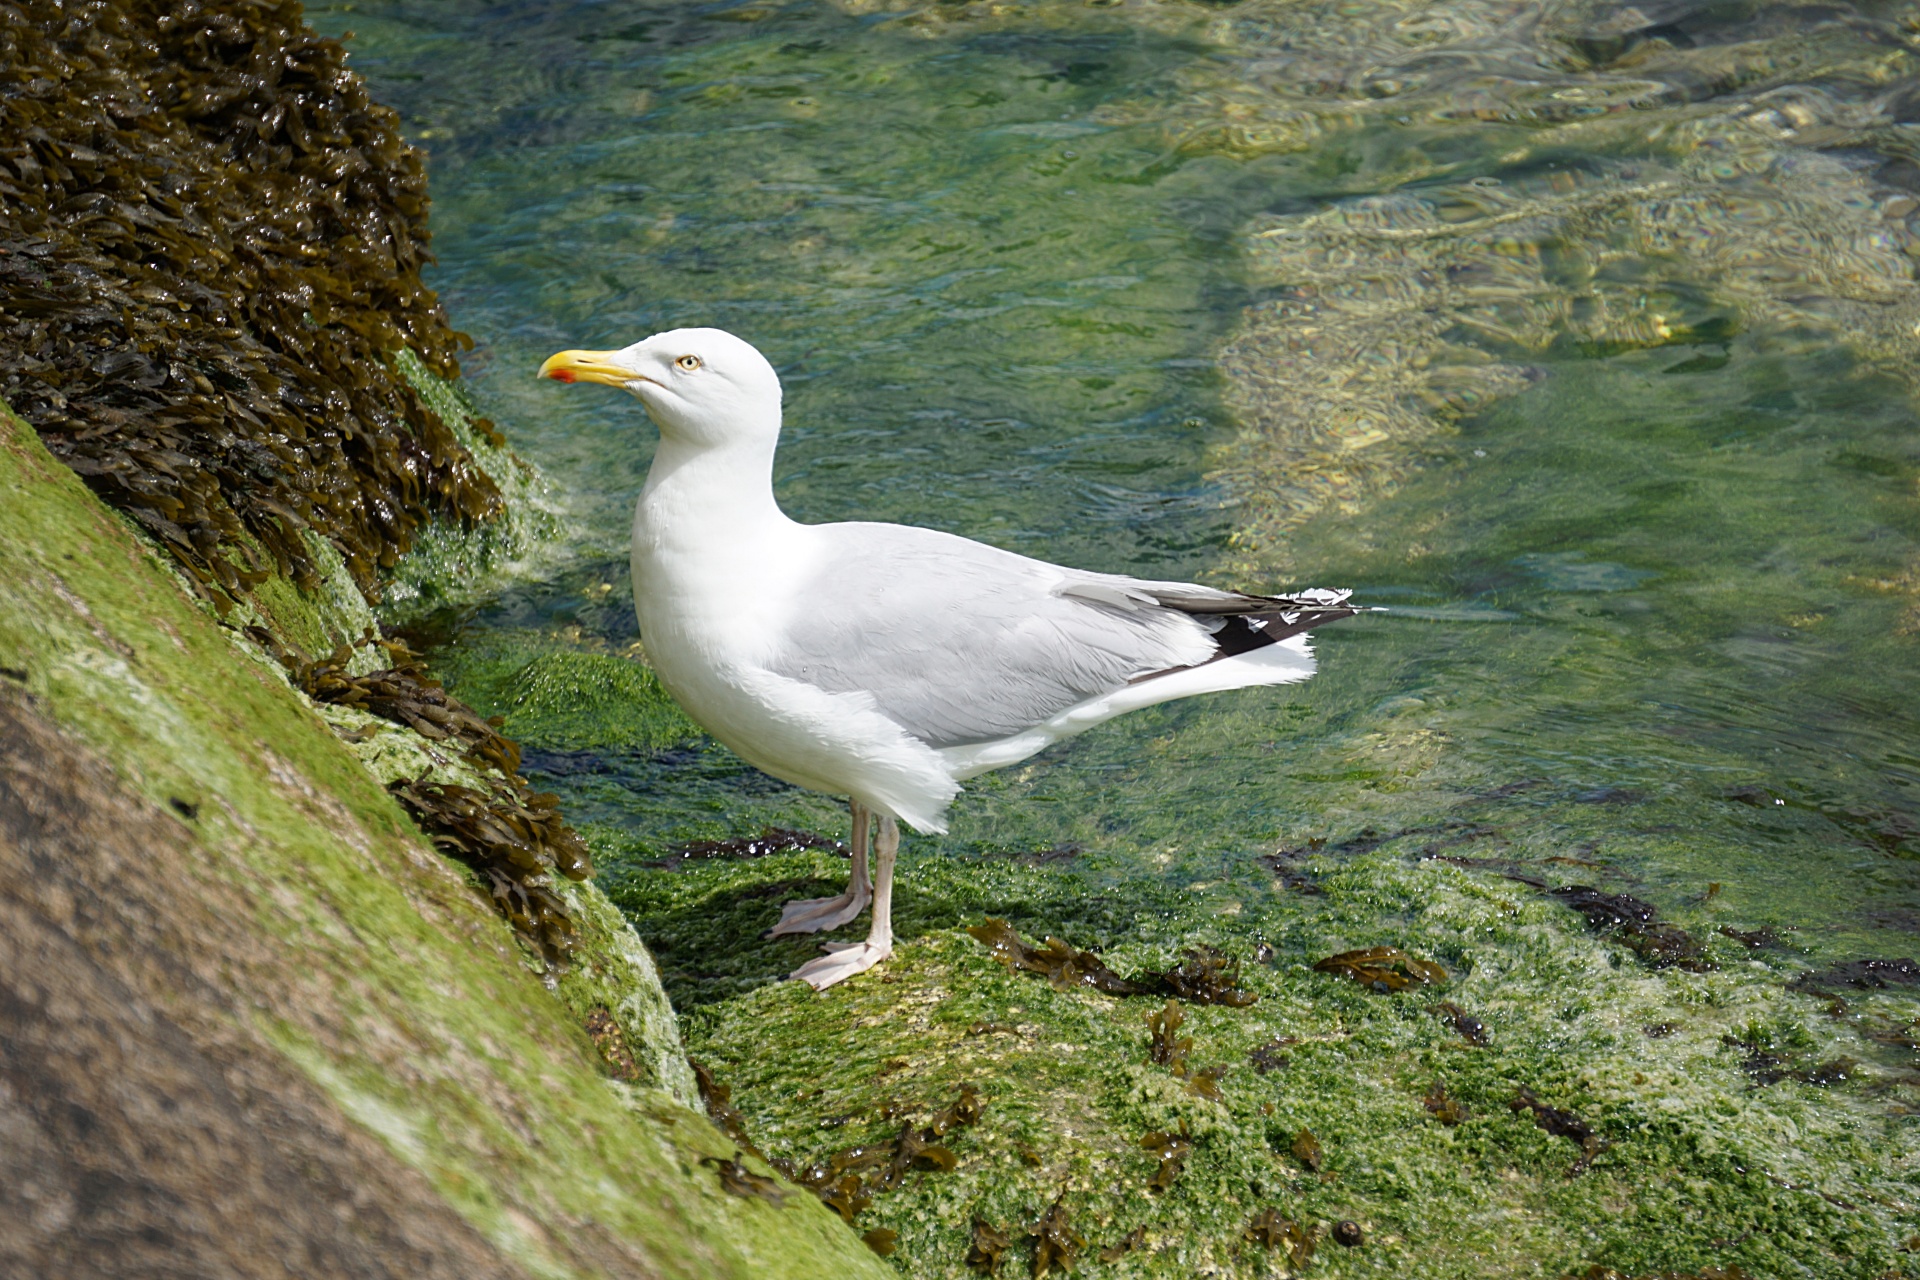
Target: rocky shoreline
pixel 303 978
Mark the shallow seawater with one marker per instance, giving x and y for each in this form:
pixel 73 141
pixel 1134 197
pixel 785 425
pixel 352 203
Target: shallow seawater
pixel 1579 336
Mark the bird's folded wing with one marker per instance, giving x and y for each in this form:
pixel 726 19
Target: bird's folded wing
pixel 958 642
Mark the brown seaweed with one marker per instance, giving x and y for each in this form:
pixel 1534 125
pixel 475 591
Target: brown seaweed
pixel 846 1197
pixel 1286 867
pixel 966 1108
pixel 1269 1056
pixel 1445 1108
pixel 1598 1272
pixel 1165 1046
pixel 737 1179
pixel 1059 963
pixel 403 693
pixel 1636 925
pixel 210 250
pixel 1171 1151
pixel 882 1240
pixel 1271 1230
pixel 1563 1124
pixel 1469 1028
pixel 611 1041
pixel 717 1098
pixel 771 840
pixel 848 1179
pixel 1762 1064
pixel 514 836
pixel 1133 1240
pixel 1383 968
pixel 1306 1149
pixel 1205 976
pixel 1056 1244
pixel 987 1247
pixel 1865 975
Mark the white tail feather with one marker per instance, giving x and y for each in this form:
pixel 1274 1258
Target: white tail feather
pixel 1287 662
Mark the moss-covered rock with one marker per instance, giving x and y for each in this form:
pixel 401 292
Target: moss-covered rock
pixel 1669 1143
pixel 340 952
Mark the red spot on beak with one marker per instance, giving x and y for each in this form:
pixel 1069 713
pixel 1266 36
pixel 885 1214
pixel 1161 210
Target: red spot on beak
pixel 561 375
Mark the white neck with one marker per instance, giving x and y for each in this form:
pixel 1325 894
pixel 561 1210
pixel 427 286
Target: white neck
pixel 703 492
pixel 708 535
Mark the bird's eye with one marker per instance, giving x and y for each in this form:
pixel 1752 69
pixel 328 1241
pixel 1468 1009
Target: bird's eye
pixel 689 363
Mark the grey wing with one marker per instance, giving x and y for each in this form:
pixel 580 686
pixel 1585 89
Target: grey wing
pixel 959 642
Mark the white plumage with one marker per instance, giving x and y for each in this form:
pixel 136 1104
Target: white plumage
pixel 878 661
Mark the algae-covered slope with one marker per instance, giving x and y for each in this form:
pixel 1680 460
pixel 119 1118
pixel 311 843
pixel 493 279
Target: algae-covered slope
pixel 257 1026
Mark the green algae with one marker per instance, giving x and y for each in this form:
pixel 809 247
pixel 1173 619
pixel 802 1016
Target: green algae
pixel 369 961
pixel 452 563
pixel 1684 1154
pixel 555 699
pixel 573 701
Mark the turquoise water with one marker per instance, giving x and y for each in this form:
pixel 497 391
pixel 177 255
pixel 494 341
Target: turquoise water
pixel 1579 336
pixel 996 260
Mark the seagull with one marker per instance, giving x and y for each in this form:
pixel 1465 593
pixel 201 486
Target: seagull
pixel 884 662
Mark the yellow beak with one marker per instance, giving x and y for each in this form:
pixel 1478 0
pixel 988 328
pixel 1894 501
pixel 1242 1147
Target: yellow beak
pixel 589 366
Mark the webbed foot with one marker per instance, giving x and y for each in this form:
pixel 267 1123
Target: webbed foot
pixel 842 961
pixel 817 915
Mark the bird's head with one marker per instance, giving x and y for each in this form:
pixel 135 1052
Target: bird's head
pixel 703 386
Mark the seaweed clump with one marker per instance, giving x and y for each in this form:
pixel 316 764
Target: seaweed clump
pixel 987 1247
pixel 1443 1106
pixel 1203 976
pixel 1637 925
pixel 514 837
pixel 1563 1124
pixel 1307 1150
pixel 1468 1027
pixel 511 834
pixel 1272 1055
pixel 737 1179
pixel 1166 1047
pixel 771 840
pixel 1056 1243
pixel 1062 965
pixel 210 250
pixel 847 1180
pixel 1134 1239
pixel 403 693
pixel 1170 1150
pixel 717 1098
pixel 1382 968
pixel 1864 975
pixel 1271 1230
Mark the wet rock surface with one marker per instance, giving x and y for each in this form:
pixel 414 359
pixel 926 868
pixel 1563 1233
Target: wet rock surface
pixel 265 1021
pixel 149 1129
